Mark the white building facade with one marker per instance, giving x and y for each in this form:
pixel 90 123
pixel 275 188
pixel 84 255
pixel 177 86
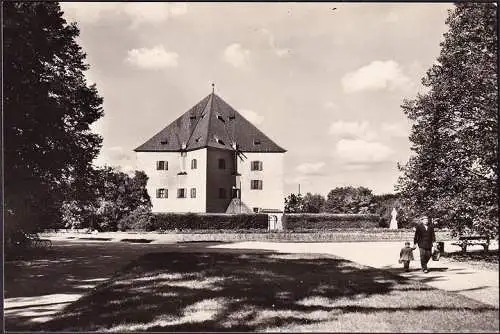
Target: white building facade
pixel 209 158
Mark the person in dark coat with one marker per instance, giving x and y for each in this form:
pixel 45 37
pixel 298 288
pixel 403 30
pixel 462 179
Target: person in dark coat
pixel 406 255
pixel 424 238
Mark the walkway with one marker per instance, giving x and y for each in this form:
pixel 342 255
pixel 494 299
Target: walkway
pixel 481 285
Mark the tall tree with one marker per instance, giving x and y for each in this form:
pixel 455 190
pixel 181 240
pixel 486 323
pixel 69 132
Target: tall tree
pixel 453 171
pixel 48 108
pixel 294 203
pixel 313 203
pixel 350 200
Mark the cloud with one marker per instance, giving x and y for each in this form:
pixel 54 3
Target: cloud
pixel 331 105
pixel 138 12
pixel 236 55
pixel 117 154
pixel 310 168
pixel 352 130
pixel 360 152
pixel 152 59
pixel 280 52
pixel 378 75
pixel 395 129
pixel 297 179
pixel 252 116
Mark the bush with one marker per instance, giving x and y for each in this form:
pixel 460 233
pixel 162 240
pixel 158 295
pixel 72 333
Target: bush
pixel 139 219
pixel 192 221
pixel 310 221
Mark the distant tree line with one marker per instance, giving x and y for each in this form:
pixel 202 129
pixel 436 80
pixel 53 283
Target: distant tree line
pixel 350 200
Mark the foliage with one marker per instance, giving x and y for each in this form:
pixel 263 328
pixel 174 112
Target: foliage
pixel 48 110
pixel 138 220
pixel 119 195
pixel 313 203
pixel 350 200
pixel 452 174
pixel 192 221
pixel 294 203
pixel 325 222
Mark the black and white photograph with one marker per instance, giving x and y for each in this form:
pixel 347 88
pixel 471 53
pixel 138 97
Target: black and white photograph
pixel 250 167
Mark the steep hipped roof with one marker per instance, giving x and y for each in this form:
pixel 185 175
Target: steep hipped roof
pixel 210 123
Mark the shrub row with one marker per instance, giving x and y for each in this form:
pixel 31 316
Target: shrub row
pixel 191 221
pixel 328 222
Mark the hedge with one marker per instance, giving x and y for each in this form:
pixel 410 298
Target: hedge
pixel 216 221
pixel 327 222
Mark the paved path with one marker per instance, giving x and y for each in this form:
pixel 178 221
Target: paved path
pixel 475 283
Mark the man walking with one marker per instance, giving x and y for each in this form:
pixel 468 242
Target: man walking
pixel 424 238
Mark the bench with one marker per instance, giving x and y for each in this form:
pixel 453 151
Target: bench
pixel 465 241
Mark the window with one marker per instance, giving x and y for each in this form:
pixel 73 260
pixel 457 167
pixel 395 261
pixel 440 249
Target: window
pixel 162 165
pixel 256 141
pixel 193 192
pixel 161 193
pixel 222 164
pixel 256 165
pixel 194 164
pixel 222 193
pixel 256 184
pixel 181 193
pixel 256 210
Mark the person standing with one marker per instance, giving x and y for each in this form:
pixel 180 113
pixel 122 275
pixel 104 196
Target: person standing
pixel 424 238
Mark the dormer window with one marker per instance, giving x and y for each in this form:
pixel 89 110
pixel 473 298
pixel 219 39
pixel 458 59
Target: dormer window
pixel 192 117
pixel 164 142
pixel 218 141
pixel 256 141
pixel 232 117
pixel 220 118
pixel 197 139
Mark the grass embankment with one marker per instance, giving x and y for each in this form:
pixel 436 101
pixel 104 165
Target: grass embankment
pixel 259 291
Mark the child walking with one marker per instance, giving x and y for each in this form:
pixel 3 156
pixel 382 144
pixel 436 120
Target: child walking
pixel 406 255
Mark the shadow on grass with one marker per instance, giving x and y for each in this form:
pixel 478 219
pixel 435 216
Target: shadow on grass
pixel 214 290
pixel 490 256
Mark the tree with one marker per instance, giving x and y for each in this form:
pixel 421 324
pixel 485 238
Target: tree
pixel 453 172
pixel 119 196
pixel 48 108
pixel 313 203
pixel 294 203
pixel 350 200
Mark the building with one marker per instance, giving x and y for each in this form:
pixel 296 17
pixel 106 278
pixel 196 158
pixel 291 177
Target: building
pixel 211 159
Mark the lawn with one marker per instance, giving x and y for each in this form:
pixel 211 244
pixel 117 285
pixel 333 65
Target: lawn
pixel 235 290
pixel 477 258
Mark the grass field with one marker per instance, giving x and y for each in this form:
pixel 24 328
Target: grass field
pixel 234 290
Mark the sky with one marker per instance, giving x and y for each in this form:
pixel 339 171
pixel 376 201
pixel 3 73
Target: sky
pixel 325 81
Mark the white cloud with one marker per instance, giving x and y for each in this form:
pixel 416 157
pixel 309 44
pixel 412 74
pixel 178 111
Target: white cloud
pixel 331 105
pixel 309 168
pixel 378 75
pixel 297 179
pixel 358 152
pixel 138 12
pixel 395 129
pixel 154 58
pixel 236 55
pixel 352 130
pixel 280 52
pixel 252 116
